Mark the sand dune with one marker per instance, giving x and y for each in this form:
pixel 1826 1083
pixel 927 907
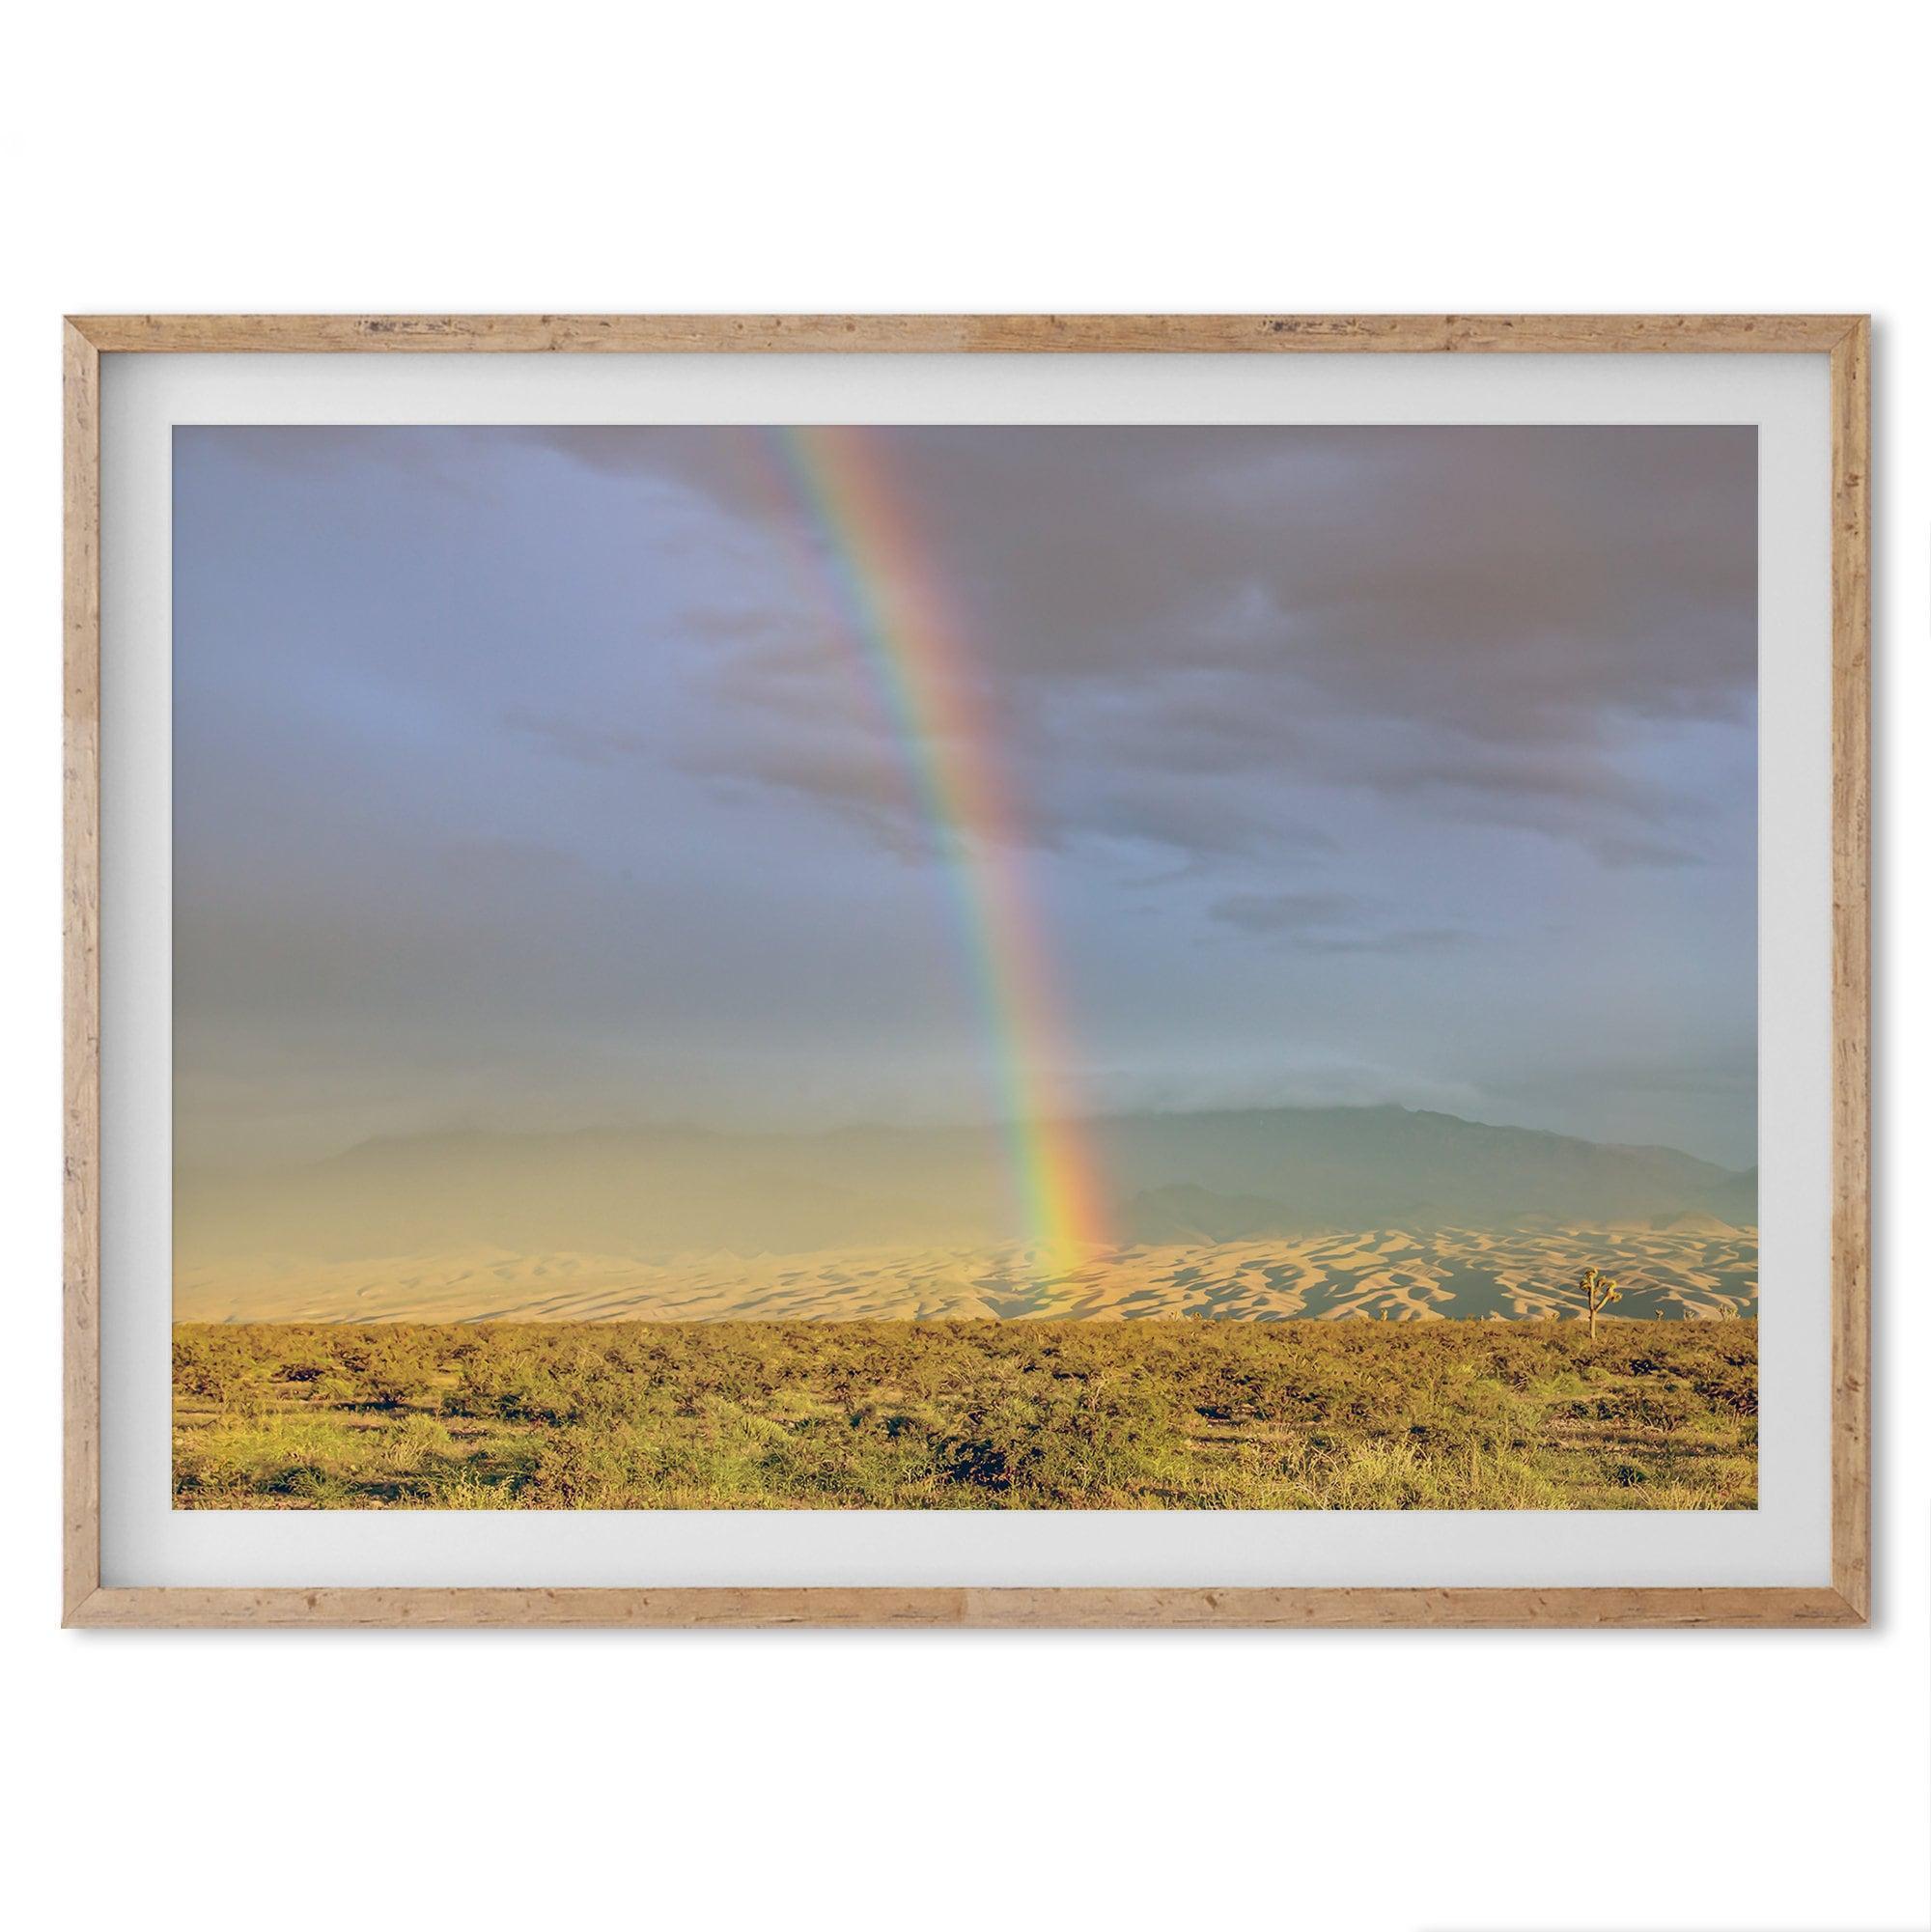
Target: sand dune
pixel 1680 1271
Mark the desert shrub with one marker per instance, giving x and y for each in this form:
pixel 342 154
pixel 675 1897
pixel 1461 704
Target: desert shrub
pixel 395 1388
pixel 514 1389
pixel 1731 1388
pixel 420 1440
pixel 1161 1413
pixel 1651 1405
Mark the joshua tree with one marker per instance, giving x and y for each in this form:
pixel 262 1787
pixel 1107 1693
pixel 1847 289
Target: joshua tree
pixel 1598 1291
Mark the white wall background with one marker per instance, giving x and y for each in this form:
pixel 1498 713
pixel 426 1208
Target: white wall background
pixel 1002 156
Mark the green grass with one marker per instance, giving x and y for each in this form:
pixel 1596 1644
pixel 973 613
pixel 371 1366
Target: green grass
pixel 1168 1414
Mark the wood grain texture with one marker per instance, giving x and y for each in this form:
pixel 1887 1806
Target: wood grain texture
pixel 1851 968
pixel 1845 339
pixel 972 1609
pixel 81 972
pixel 1029 335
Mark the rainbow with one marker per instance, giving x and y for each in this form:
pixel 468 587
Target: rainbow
pixel 892 606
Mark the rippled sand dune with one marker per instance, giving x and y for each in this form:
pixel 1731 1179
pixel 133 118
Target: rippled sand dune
pixel 1671 1272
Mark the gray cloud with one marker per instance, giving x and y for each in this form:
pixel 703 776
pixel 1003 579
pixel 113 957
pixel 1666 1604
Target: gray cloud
pixel 534 772
pixel 1285 912
pixel 1487 620
pixel 1332 923
pixel 1615 850
pixel 587 742
pixel 1403 943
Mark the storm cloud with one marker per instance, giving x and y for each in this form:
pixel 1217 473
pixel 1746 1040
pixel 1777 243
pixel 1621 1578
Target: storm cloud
pixel 1491 623
pixel 536 773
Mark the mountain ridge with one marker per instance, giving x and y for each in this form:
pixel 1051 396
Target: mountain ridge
pixel 1209 1177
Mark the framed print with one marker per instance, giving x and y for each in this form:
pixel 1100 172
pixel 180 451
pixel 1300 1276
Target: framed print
pixel 968 970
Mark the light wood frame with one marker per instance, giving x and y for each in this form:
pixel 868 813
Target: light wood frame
pixel 1845 1600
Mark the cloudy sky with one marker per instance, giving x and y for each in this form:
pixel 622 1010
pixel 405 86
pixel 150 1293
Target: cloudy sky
pixel 532 778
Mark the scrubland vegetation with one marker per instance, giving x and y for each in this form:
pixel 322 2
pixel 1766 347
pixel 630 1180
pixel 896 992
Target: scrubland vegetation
pixel 1169 1415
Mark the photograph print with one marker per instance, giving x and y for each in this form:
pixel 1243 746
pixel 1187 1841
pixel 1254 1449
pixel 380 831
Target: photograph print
pixel 965 968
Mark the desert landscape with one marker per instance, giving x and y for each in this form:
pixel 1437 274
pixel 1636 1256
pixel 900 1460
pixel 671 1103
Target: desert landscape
pixel 339 1344
pixel 1153 1414
pixel 1380 1274
pixel 939 965
pixel 1269 1215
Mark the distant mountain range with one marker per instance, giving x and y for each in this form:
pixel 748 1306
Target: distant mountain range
pixel 1193 1177
pixel 1293 1170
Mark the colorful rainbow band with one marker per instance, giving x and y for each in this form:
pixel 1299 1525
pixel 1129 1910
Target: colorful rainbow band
pixel 891 601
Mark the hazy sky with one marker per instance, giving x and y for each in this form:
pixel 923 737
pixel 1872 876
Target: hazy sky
pixel 529 777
